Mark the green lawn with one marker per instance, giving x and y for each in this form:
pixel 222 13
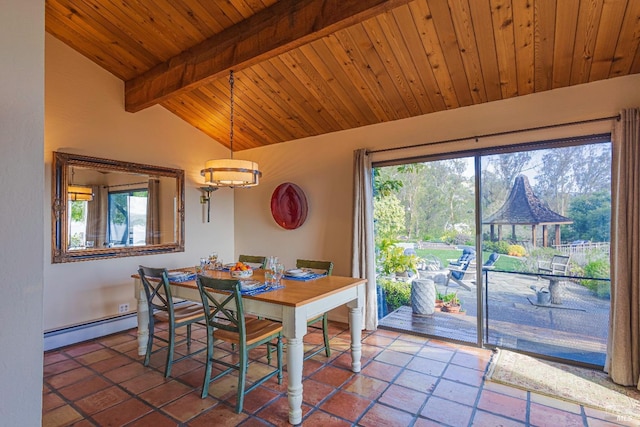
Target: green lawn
pixel 505 262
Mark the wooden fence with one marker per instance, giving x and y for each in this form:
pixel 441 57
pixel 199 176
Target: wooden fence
pixel 580 248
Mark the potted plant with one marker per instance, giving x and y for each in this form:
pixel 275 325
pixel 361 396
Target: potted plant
pixel 393 260
pixel 452 303
pixel 439 300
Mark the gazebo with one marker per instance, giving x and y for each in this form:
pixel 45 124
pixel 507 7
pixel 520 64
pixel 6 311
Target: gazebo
pixel 522 207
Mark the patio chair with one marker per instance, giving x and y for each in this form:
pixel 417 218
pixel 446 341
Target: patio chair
pixel 490 262
pixel 468 254
pixel 550 270
pixel 465 275
pixel 559 265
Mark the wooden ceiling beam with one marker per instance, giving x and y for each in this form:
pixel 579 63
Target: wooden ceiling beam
pixel 286 25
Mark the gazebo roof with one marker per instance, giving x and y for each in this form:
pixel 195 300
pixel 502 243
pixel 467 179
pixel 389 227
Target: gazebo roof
pixel 524 207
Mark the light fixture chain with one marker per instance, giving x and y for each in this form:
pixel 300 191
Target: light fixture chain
pixel 231 80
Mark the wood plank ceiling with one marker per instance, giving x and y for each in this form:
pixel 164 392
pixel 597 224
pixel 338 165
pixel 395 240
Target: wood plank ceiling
pixel 310 67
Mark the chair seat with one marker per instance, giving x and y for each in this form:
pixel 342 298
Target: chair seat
pixel 256 330
pixel 183 313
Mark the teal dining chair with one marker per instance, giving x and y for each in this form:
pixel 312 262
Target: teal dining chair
pixel 324 318
pixel 226 321
pixel 162 308
pixel 253 259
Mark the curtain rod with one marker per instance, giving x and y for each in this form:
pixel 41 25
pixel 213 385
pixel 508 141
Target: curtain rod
pixel 487 135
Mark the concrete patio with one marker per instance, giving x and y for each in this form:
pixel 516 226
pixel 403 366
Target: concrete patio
pixel 574 330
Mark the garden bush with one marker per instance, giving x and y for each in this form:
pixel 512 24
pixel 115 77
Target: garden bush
pixel 599 268
pixel 397 293
pixel 516 250
pixel 501 247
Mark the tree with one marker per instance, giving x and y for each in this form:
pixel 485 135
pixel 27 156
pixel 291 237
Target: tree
pixel 591 215
pixel 388 216
pixel 77 210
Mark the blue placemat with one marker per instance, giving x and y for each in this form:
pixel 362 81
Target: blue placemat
pixel 305 278
pixel 261 289
pixel 185 277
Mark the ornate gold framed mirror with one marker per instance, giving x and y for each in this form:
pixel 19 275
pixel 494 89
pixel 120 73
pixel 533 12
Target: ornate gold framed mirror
pixel 107 208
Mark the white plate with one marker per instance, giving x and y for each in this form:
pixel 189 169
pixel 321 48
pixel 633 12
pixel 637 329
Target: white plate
pixel 248 285
pixel 296 272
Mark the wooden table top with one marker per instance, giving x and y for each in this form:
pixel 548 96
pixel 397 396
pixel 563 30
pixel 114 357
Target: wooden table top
pixel 295 292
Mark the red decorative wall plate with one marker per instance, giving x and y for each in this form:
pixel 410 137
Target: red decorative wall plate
pixel 289 206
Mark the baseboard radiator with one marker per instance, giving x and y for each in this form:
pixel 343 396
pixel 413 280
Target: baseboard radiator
pixel 74 334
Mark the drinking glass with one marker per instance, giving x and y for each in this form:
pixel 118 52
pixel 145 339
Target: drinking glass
pixel 213 258
pixel 203 265
pixel 270 270
pixel 278 273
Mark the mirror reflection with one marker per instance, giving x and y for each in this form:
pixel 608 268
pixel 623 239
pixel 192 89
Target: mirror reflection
pixel 106 208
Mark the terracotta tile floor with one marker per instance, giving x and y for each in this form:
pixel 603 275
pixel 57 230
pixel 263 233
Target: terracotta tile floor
pixel 406 380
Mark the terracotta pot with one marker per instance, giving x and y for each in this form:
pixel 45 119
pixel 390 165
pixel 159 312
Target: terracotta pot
pixel 450 308
pixel 439 303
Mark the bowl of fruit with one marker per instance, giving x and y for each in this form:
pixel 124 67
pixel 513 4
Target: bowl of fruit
pixel 240 270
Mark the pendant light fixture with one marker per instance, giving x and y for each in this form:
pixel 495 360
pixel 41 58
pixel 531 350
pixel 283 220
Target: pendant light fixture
pixel 232 173
pixel 78 192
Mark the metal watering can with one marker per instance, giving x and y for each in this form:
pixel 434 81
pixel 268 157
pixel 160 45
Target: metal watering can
pixel 543 295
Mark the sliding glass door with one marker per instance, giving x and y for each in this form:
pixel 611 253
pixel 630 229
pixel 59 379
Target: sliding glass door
pixel 518 237
pixel 547 212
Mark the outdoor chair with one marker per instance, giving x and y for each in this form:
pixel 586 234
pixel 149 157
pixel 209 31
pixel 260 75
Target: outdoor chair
pixel 161 307
pixel 465 275
pixel 490 262
pixel 324 318
pixel 468 255
pixel 549 270
pixel 559 265
pixel 226 321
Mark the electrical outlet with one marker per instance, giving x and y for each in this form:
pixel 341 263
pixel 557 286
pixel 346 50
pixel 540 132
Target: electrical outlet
pixel 123 308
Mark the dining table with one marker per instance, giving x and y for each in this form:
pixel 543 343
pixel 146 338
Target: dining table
pixel 293 303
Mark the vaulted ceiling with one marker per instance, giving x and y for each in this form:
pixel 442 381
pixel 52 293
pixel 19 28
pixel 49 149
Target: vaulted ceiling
pixel 310 67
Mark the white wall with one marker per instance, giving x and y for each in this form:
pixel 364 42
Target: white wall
pixel 21 212
pixel 84 114
pixel 322 165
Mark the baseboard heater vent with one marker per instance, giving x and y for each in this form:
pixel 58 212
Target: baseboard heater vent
pixel 87 331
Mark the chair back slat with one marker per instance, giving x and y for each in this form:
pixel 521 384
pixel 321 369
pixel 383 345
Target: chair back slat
pixel 221 312
pixel 254 259
pixel 158 292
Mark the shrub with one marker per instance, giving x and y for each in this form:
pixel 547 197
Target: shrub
pixel 501 247
pixel 397 293
pixel 391 259
pixel 454 237
pixel 516 250
pixel 601 269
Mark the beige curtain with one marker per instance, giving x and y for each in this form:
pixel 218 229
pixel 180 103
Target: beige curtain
pixel 153 213
pixel 363 248
pixel 623 350
pixel 96 217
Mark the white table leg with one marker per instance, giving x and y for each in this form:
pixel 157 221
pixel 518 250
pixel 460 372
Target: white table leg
pixel 294 327
pixel 355 326
pixel 143 322
pixel 295 355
